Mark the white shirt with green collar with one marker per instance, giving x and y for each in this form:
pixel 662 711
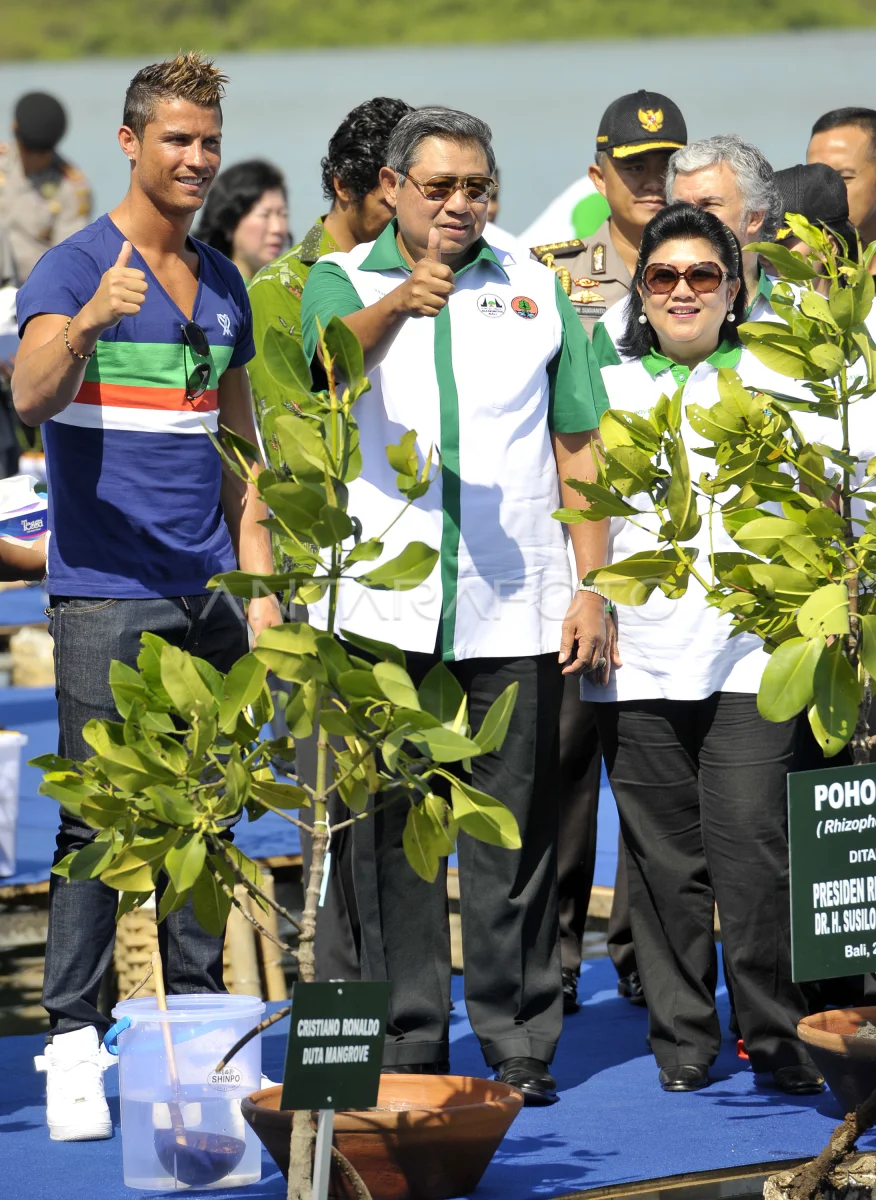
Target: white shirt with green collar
pixel 680 649
pixel 486 382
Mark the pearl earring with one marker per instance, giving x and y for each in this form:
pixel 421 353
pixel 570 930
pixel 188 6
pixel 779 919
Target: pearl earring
pixel 731 317
pixel 643 320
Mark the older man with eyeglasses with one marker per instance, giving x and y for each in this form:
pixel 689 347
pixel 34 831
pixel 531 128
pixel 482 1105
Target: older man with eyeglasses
pixel 481 352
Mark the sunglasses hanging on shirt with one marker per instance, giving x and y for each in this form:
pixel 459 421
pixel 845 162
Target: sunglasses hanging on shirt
pixel 196 340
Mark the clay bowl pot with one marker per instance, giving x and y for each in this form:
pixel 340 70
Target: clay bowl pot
pixel 431 1137
pixel 848 1063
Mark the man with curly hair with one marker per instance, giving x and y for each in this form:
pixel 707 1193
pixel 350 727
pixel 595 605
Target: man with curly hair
pixel 359 213
pixel 134 344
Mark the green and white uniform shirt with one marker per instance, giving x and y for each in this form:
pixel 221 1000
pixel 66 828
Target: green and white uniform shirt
pixel 504 364
pixel 680 649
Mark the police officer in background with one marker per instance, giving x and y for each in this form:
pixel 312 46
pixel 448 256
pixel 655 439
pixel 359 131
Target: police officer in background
pixel 636 136
pixel 43 198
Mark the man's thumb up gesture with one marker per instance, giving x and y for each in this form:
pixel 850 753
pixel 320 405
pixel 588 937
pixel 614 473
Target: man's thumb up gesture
pixel 431 281
pixel 120 293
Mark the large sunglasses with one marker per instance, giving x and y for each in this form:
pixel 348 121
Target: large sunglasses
pixel 477 189
pixel 702 278
pixel 196 340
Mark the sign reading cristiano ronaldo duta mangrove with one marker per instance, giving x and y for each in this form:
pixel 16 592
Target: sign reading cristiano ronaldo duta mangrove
pixel 832 831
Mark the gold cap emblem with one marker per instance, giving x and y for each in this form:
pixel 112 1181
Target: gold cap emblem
pixel 651 119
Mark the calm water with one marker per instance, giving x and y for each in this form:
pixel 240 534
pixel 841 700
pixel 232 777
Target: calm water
pixel 543 101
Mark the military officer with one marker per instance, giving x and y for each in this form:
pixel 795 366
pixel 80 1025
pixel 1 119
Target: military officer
pixel 43 198
pixel 636 136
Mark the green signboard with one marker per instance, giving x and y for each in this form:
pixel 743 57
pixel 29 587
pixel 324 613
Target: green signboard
pixel 335 1048
pixel 832 830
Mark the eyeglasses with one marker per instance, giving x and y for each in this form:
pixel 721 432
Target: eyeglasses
pixel 477 189
pixel 196 340
pixel 702 278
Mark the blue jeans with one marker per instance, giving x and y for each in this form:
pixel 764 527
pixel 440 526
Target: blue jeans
pixel 89 634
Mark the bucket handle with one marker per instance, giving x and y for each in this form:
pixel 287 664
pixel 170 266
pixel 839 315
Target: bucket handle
pixel 111 1035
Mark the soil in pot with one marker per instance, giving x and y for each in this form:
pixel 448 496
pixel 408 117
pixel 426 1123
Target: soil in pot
pixel 842 1043
pixel 431 1137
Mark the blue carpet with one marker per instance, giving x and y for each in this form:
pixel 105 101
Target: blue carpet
pixel 612 1125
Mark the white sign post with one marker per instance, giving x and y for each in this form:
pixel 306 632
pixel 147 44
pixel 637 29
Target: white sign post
pixel 322 1164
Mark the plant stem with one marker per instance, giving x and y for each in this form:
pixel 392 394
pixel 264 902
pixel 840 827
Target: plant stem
pixel 217 875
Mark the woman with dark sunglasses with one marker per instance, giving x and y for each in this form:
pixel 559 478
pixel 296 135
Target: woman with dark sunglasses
pixel 698 775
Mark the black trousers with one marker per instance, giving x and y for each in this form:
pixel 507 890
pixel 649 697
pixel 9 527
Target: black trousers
pixel 508 898
pixel 580 769
pixel 701 790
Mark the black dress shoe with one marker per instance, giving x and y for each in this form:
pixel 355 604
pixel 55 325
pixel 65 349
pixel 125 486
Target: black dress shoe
pixel 530 1076
pixel 799 1081
pixel 686 1077
pixel 570 991
pixel 430 1068
pixel 631 987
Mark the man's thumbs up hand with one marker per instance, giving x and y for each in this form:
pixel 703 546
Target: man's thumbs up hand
pixel 431 281
pixel 120 293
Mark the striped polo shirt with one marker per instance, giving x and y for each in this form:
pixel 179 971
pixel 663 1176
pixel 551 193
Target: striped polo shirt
pixel 134 479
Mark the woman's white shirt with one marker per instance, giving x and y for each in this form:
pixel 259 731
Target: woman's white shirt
pixel 680 649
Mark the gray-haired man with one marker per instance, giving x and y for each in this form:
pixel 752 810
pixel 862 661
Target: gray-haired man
pixel 732 179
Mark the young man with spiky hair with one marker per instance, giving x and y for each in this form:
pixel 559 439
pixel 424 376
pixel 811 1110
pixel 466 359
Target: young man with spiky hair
pixel 134 343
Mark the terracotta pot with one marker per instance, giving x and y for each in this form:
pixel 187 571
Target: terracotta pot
pixel 431 1137
pixel 847 1063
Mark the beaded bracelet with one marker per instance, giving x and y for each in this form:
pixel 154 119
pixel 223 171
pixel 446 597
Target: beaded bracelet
pixel 75 353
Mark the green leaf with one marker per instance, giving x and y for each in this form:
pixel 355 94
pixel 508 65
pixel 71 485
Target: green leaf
pixel 171 806
pixel 825 523
pixel 837 692
pixel 359 684
pixel 494 726
pixel 129 873
pixel 301 710
pixel 443 745
pixel 829 744
pixel 407 570
pixel 604 501
pixel 804 554
pixel 629 470
pixel 620 428
pixel 764 535
pixel 403 457
pixel 379 650
pixel 842 306
pixel 127 686
pixel 790 264
pixel 184 685
pixel 236 780
pixel 282 648
pixel 242 685
pixel 301 447
pixel 789 679
pixel 419 842
pixel 483 817
pixel 816 306
pixel 632 580
pixel 829 358
pixel 441 693
pixel 825 612
pixel 366 551
pixel 396 684
pixel 171 901
pixel 781 359
pixel 210 904
pixel 285 360
pixel 333 526
pixel 354 793
pixel 88 862
pixel 345 350
pixel 185 860
pixel 296 504
pixel 867 650
pixel 280 795
pixel 332 720
pixel 680 498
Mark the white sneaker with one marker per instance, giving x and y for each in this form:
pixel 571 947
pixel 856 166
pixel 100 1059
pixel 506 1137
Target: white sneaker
pixel 76 1110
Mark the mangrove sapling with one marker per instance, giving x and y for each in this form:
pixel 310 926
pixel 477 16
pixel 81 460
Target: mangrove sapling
pixel 188 756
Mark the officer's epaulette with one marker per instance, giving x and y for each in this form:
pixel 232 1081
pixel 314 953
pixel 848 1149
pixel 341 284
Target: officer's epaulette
pixel 554 247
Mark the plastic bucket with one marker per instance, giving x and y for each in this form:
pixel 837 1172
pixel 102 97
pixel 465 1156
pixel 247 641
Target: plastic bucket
pixel 10 773
pixel 219 1149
